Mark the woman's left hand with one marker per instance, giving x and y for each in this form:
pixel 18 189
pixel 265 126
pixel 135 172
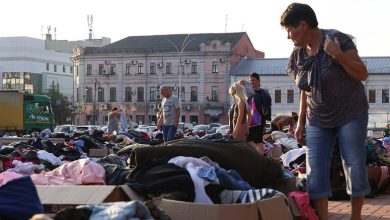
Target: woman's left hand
pixel 332 47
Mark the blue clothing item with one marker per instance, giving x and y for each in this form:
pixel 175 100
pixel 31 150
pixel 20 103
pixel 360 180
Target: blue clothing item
pixel 169 132
pixel 351 137
pixel 208 173
pixel 19 199
pixel 231 179
pixel 79 145
pixel 119 211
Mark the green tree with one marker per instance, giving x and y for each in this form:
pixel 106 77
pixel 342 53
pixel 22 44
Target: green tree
pixel 60 104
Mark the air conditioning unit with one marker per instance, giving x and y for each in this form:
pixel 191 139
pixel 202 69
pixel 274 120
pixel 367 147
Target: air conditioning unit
pixel 188 107
pixel 134 62
pixel 222 60
pixel 103 106
pixel 187 61
pixel 107 62
pixel 105 72
pixel 160 65
pixel 152 108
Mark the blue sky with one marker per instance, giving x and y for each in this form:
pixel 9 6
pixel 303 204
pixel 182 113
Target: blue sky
pixel 368 21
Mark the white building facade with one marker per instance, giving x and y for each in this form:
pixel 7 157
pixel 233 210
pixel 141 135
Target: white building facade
pixel 285 94
pixel 32 64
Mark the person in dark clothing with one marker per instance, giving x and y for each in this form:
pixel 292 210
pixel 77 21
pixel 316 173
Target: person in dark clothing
pixel 261 97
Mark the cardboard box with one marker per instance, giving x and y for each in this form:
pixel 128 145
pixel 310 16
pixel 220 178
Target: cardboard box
pixel 100 152
pixel 55 198
pixel 268 209
pixel 294 209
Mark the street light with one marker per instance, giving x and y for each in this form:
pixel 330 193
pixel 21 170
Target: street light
pixel 180 52
pixel 94 102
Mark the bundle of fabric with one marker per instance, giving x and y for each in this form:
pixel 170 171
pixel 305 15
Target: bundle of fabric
pixel 254 168
pixel 19 199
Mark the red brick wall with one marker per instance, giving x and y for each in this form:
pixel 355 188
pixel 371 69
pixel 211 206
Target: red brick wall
pixel 244 48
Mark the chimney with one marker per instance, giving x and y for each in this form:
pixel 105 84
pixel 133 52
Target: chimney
pixel 48 37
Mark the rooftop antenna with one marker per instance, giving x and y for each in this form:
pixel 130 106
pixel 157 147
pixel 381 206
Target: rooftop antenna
pixel 90 22
pixel 226 22
pixel 42 34
pixel 242 28
pixel 55 33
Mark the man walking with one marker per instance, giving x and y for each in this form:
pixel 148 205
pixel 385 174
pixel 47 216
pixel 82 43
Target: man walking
pixel 170 114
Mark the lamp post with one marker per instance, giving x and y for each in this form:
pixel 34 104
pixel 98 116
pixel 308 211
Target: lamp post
pixel 180 52
pixel 94 101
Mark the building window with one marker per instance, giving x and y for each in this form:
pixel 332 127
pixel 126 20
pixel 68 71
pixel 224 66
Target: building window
pixel 194 67
pixel 214 68
pixel 140 94
pixel 128 94
pixel 172 88
pixel 140 68
pixel 101 67
pixel 89 69
pixel 153 94
pixel 290 96
pixel 47 66
pixel 168 68
pixel 88 95
pixel 194 93
pixel 140 119
pixel 71 69
pixel 182 68
pixel 113 94
pixel 152 68
pixel 214 93
pixel 128 68
pixel 55 68
pixel 194 119
pixel 278 96
pixel 112 69
pixel 100 94
pixel 385 96
pixel 63 68
pixel 153 119
pixel 371 96
pixel 182 94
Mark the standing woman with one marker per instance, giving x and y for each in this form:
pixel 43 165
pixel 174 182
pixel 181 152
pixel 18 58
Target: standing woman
pixel 327 69
pixel 241 113
pixel 113 120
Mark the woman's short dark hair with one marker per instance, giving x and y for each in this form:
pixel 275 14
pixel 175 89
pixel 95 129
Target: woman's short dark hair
pixel 114 108
pixel 297 12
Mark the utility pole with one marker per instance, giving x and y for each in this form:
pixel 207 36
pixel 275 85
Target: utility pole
pixel 180 53
pixel 94 104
